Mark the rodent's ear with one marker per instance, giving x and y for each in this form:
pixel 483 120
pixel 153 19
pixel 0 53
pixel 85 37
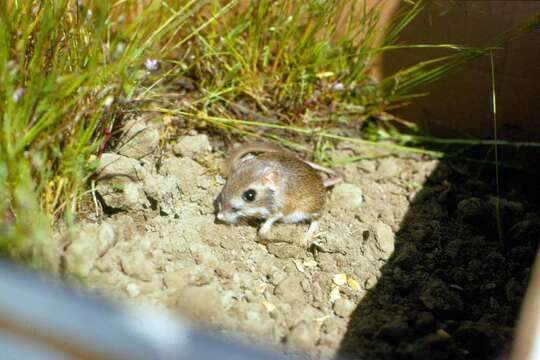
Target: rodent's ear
pixel 270 177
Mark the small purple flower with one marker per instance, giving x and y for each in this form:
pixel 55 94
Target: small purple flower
pixel 17 94
pixel 338 87
pixel 151 64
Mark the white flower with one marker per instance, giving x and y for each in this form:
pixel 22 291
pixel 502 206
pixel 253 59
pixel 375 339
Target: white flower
pixel 338 87
pixel 17 94
pixel 108 101
pixel 151 64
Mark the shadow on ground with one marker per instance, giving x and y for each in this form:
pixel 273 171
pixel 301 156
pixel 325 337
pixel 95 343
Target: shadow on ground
pixel 450 290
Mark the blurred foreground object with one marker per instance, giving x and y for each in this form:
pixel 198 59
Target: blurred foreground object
pixel 44 319
pixel 527 338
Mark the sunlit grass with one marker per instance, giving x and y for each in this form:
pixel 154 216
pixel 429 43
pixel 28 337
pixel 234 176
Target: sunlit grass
pixel 64 70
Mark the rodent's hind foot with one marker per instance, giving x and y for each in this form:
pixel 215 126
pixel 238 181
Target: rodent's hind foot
pixel 310 235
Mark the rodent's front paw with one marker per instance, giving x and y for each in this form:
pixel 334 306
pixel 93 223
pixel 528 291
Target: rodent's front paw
pixel 264 234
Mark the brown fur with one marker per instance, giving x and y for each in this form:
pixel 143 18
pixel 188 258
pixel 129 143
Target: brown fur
pixel 298 186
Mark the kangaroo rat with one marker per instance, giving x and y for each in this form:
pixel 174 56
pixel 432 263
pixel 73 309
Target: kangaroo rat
pixel 275 186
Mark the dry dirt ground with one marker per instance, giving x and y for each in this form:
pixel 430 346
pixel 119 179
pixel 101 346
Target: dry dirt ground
pixel 410 265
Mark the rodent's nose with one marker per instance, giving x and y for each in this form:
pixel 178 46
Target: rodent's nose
pixel 220 216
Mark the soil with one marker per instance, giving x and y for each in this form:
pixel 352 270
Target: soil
pixel 409 263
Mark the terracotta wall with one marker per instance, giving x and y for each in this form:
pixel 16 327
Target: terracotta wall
pixel 460 105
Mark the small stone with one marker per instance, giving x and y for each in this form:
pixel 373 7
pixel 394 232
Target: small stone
pixel 176 280
pixel 226 270
pixel 395 331
pixel 381 245
pixel 188 172
pixel 251 319
pixel 137 266
pixel 456 249
pixel 370 282
pixel 331 331
pixel 188 146
pixel 201 302
pixel 114 165
pixel 526 232
pixel 368 166
pixel 290 290
pixel 425 322
pixel 118 185
pixel 388 168
pixel 138 139
pixel 165 191
pixel 344 307
pixel 436 295
pixel 105 238
pixel 407 256
pixel 385 238
pixel 133 290
pixel 90 242
pixel 302 336
pixel 203 254
pixel 472 208
pixel 131 194
pixel 348 196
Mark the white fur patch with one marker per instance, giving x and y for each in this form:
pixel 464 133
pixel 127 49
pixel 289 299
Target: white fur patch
pixel 296 217
pixel 229 217
pixel 259 212
pixel 237 203
pixel 247 157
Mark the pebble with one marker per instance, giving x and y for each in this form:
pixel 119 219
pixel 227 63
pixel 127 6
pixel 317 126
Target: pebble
pixel 90 243
pixel 436 295
pixel 189 146
pixel 394 331
pixel 348 196
pixel 472 208
pixel 381 245
pixel 290 290
pixel 137 266
pixel 344 307
pixel 138 140
pixel 388 168
pixel 115 165
pixel 302 336
pixel 203 302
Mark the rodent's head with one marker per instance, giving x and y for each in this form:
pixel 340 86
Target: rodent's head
pixel 249 191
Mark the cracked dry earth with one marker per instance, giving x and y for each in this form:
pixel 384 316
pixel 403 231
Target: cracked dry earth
pixel 410 265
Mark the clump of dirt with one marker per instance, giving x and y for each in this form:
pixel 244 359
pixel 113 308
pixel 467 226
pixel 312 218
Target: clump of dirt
pixel 409 267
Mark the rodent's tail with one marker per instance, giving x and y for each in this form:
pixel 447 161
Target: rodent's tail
pixel 334 176
pixel 248 148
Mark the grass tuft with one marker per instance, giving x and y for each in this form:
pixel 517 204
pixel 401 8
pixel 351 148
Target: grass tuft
pixel 65 69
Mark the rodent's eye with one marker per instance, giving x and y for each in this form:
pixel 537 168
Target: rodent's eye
pixel 249 195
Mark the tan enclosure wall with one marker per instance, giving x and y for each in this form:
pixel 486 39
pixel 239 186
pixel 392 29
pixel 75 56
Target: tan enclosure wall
pixel 460 105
